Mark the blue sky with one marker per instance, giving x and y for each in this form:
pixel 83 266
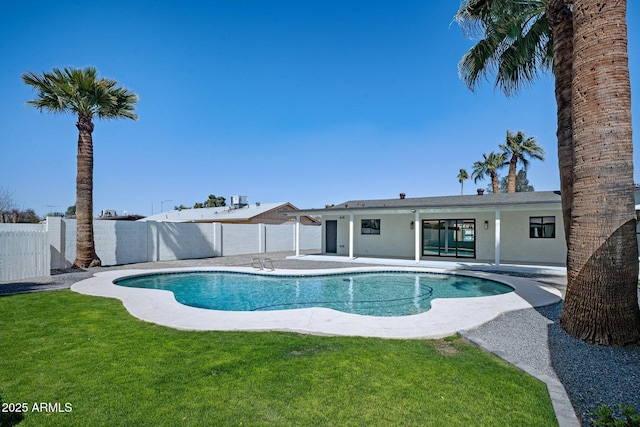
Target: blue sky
pixel 307 102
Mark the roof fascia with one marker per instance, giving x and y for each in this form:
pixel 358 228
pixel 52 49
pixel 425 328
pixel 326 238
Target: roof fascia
pixel 410 210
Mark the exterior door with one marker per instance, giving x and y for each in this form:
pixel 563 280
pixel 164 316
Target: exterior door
pixel 466 238
pixel 449 237
pixel 431 238
pixel 331 238
pixel 448 234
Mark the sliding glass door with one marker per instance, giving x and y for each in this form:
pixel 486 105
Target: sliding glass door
pixel 431 238
pixel 449 237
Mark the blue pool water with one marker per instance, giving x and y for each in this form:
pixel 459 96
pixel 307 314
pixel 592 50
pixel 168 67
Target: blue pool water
pixel 375 294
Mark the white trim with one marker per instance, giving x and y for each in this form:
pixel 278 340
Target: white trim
pixel 297 242
pixel 409 210
pixel 417 225
pixel 497 242
pixel 351 236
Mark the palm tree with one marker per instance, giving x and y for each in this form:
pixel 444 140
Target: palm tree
pixel 519 39
pixel 522 183
pixel 519 148
pixel 601 303
pixel 590 309
pixel 81 92
pixel 488 167
pixel 560 18
pixel 462 177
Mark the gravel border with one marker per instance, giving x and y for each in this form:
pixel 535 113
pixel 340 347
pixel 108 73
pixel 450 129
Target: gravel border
pixel 591 375
pixel 529 339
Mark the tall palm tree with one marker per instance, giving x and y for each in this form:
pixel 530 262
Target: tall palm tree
pixel 520 148
pixel 560 18
pixel 488 167
pixel 462 177
pixel 601 302
pixel 82 93
pixel 585 263
pixel 520 39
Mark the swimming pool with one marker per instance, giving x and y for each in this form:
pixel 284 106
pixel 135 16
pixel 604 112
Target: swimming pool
pixel 382 293
pixel 447 316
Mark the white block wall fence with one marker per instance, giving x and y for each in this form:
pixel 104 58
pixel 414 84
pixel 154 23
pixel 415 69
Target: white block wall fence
pixel 33 250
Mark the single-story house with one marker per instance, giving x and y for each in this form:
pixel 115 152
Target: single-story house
pixel 522 227
pixel 257 213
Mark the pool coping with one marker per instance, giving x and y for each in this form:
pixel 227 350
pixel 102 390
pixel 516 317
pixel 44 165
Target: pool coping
pixel 445 318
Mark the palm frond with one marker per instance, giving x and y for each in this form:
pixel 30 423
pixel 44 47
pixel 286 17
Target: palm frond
pixel 80 91
pixel 514 46
pixel 488 166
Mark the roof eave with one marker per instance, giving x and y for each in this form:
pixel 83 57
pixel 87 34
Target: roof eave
pixel 426 209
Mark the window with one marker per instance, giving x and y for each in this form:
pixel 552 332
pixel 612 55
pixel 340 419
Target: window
pixel 370 226
pixel 542 227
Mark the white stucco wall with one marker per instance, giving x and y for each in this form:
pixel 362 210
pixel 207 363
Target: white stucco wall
pixel 396 238
pixel 343 235
pixel 486 239
pixel 517 246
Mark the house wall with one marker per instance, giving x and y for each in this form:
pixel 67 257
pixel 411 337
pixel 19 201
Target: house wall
pixel 517 246
pixel 396 238
pixel 486 239
pixel 343 235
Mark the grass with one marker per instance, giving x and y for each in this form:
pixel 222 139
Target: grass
pixel 62 347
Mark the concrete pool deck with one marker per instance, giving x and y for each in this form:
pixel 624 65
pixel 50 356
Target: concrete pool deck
pixel 446 316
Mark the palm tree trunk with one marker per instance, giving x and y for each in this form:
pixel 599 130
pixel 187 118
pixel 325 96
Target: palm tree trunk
pixel 560 19
pixel 85 246
pixel 494 183
pixel 511 180
pixel 601 303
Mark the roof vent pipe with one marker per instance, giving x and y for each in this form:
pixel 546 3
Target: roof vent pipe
pixel 480 191
pixel 402 196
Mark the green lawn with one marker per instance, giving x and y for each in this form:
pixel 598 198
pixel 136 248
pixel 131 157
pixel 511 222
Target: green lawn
pixel 112 369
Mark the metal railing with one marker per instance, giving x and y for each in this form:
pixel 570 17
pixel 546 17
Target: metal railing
pixel 262 264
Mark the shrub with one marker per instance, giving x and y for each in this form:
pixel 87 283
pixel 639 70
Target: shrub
pixel 606 418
